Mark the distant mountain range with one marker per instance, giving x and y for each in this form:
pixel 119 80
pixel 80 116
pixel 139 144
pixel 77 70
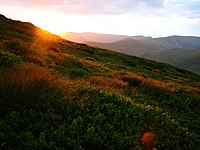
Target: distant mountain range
pixel 95 37
pixel 181 51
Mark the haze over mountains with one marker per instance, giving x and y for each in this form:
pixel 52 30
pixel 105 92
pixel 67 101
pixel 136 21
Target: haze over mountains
pixel 95 37
pixel 181 51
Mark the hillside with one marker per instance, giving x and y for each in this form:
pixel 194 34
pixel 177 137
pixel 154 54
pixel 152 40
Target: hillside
pixel 162 43
pixel 150 44
pixel 160 49
pixel 57 94
pixel 184 42
pixel 128 46
pixel 179 57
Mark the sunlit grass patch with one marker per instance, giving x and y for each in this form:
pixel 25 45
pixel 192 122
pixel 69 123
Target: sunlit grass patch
pixel 36 58
pixel 111 85
pixel 150 84
pixel 30 85
pixel 111 82
pixel 132 80
pixel 194 90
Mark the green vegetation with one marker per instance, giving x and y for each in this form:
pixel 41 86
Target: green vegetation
pixel 180 58
pixel 72 68
pixel 56 94
pixel 180 51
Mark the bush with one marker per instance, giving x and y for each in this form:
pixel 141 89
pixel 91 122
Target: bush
pixel 102 122
pixel 133 80
pixel 8 59
pixel 78 72
pixel 17 47
pixel 72 68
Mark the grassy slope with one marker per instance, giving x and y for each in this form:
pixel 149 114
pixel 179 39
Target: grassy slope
pixel 165 50
pixel 127 46
pixel 56 94
pixel 179 57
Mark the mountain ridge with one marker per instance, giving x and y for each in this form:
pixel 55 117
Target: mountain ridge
pixel 97 37
pixel 145 46
pixel 93 37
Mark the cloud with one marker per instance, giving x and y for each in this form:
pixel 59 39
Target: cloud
pixel 91 7
pixel 189 8
pixel 30 3
pixel 186 8
pixel 132 17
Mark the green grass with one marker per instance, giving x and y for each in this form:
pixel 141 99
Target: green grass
pixel 17 47
pixel 72 68
pixel 56 94
pixel 104 121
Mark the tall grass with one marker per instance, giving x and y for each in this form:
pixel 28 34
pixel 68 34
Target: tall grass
pixel 150 84
pixel 153 85
pixel 36 59
pixel 110 85
pixel 17 47
pixel 29 85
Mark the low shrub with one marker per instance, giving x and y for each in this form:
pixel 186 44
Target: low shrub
pixel 8 59
pixel 78 72
pixel 150 85
pixel 17 47
pixel 72 68
pixel 35 114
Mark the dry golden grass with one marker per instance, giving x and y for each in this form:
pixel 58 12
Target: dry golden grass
pixel 25 76
pixel 36 59
pixel 151 83
pixel 45 52
pixel 104 81
pixel 194 90
pixel 62 57
pixel 170 87
pixel 110 85
pixel 160 85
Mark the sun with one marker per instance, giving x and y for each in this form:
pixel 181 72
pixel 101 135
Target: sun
pixel 57 23
pixel 54 28
pixel 50 21
pixel 53 25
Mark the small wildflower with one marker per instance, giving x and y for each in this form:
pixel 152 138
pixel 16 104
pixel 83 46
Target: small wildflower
pixel 148 140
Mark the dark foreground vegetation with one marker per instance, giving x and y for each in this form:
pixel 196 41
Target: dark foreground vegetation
pixel 56 94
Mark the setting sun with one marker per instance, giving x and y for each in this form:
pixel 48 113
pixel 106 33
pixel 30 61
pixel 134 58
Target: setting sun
pixel 52 28
pixel 56 22
pixel 49 20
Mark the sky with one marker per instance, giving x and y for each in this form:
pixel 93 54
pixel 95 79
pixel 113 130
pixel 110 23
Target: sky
pixel 156 18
